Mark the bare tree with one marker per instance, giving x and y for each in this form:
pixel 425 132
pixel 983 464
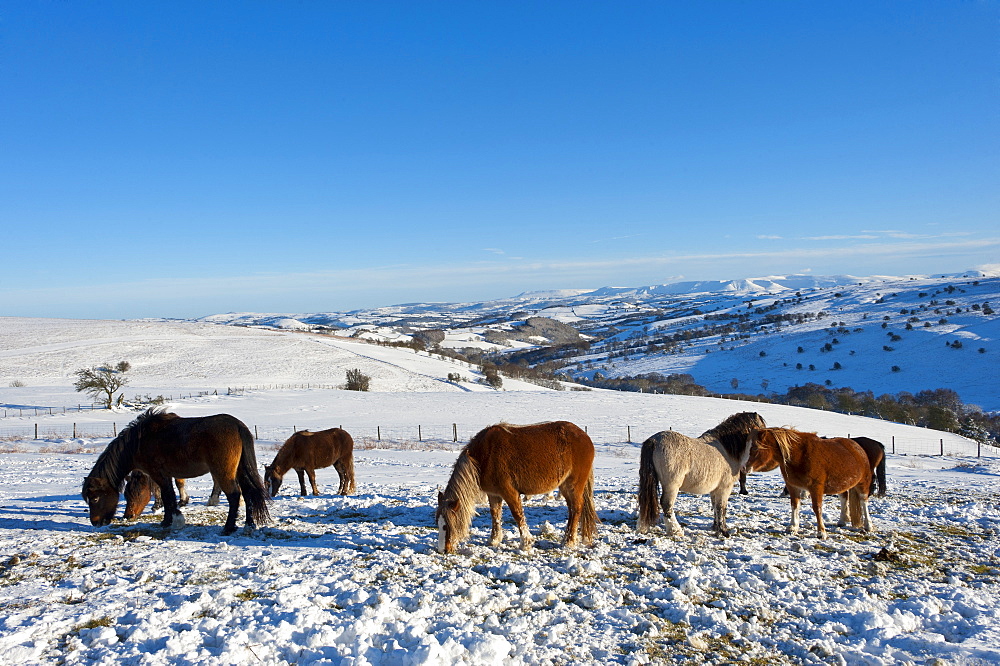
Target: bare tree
pixel 102 381
pixel 357 380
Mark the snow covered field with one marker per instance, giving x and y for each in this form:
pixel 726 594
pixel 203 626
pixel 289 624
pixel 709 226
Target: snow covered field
pixel 357 580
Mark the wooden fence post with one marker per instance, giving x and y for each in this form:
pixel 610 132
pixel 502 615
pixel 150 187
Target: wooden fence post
pixel 628 430
pixel 894 445
pixel 74 431
pixel 420 436
pixel 378 432
pixel 36 431
pixel 255 435
pixel 942 446
pixel 454 432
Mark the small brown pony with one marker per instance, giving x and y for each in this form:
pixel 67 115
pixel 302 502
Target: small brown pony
pixel 139 489
pixel 838 466
pixel 305 452
pixel 166 446
pixel 874 449
pixel 505 461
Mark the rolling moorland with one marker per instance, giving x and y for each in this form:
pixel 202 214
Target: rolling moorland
pixel 357 580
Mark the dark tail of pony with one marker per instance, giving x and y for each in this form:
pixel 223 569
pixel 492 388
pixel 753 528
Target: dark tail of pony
pixel 649 488
pixel 879 476
pixel 854 512
pixel 255 496
pixel 588 517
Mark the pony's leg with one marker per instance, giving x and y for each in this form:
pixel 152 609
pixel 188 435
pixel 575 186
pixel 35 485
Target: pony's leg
pixel 817 504
pixel 496 514
pixel 667 501
pixel 233 498
pixel 172 517
pixel 865 516
pixel 844 515
pixel 514 502
pixel 743 482
pixel 796 499
pixel 157 497
pixel 574 509
pixel 720 503
pixel 342 477
pixel 213 499
pixel 302 480
pixel 312 480
pixel 182 492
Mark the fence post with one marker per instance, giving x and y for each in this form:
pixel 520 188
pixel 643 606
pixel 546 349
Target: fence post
pixel 893 445
pixel 114 429
pixel 941 441
pixel 378 432
pixel 628 431
pixel 36 431
pixel 74 431
pixel 454 432
pixel 420 436
pixel 979 448
pixel 255 435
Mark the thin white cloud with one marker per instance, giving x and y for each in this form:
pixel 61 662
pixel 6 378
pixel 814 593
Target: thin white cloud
pixel 768 237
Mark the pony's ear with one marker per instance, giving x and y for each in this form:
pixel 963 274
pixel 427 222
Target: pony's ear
pixel 440 497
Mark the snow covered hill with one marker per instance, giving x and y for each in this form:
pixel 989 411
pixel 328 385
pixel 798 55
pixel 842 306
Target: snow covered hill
pixel 881 334
pixel 357 580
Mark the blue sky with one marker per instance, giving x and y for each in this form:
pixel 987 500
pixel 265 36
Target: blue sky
pixel 182 159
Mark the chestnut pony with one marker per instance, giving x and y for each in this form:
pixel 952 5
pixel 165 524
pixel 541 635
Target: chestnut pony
pixel 305 452
pixel 505 461
pixel 139 488
pixel 705 465
pixel 838 466
pixel 167 446
pixel 874 449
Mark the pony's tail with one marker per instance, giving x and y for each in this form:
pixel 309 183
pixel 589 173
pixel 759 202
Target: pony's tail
pixel 251 485
pixel 880 476
pixel 649 488
pixel 588 517
pixel 854 511
pixel 348 464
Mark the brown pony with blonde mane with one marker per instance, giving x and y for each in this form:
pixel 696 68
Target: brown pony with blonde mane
pixel 139 489
pixel 166 446
pixel 838 466
pixel 503 462
pixel 874 449
pixel 305 452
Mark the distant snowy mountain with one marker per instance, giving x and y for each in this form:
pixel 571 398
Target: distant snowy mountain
pixel 886 334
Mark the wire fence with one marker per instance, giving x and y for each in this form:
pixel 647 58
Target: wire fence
pixel 456 435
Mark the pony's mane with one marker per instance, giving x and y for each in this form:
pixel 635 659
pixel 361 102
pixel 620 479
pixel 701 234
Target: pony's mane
pixel 463 487
pixel 115 463
pixel 784 438
pixel 732 433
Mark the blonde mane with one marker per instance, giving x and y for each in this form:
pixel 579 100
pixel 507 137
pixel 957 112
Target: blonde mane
pixel 464 489
pixel 784 439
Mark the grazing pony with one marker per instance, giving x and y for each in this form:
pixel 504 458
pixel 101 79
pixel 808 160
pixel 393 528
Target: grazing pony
pixel 705 465
pixel 808 462
pixel 167 446
pixel 505 461
pixel 305 452
pixel 139 488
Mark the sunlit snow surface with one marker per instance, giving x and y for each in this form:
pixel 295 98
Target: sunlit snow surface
pixel 357 580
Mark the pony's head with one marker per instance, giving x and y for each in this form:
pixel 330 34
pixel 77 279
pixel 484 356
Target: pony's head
pixel 447 521
pixel 272 480
pixel 138 490
pixel 102 500
pixel 769 447
pixel 457 504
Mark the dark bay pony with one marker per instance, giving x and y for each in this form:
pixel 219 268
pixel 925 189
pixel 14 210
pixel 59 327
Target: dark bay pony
pixel 838 466
pixel 505 461
pixel 874 449
pixel 305 452
pixel 139 489
pixel 705 465
pixel 166 446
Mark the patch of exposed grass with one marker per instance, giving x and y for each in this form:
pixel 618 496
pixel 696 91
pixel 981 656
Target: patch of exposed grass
pixel 247 595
